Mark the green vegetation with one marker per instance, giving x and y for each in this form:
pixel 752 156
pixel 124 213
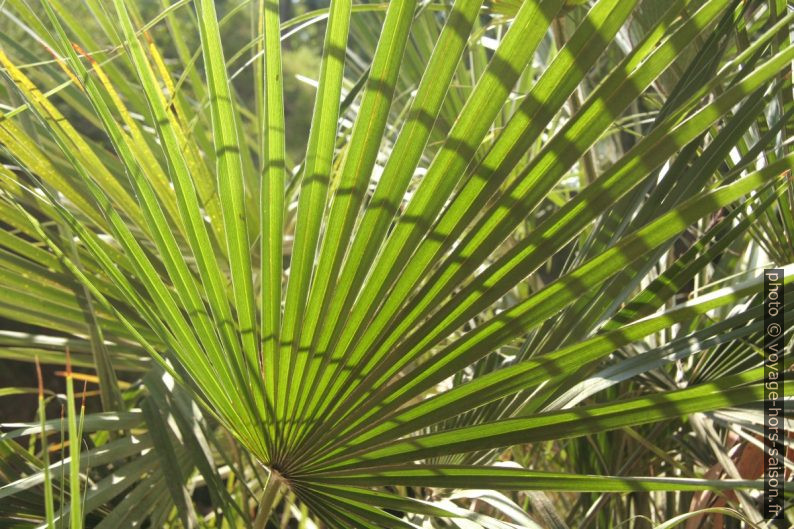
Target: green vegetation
pixel 407 264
